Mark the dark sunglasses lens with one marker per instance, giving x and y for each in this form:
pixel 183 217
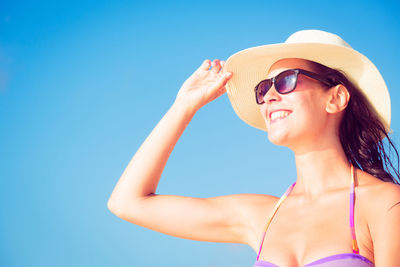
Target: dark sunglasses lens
pixel 285 82
pixel 262 89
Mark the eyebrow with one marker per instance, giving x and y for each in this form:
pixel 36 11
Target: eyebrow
pixel 277 73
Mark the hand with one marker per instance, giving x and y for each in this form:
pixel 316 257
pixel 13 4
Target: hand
pixel 204 85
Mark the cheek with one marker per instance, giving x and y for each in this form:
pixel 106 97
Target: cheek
pixel 263 110
pixel 310 115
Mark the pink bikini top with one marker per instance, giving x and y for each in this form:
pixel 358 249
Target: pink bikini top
pixel 338 260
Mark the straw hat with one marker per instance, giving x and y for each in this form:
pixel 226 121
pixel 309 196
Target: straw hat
pixel 251 65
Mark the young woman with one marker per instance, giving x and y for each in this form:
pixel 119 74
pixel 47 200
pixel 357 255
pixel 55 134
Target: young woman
pixel 330 106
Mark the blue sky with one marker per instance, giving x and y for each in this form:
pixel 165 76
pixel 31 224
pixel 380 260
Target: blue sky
pixel 83 84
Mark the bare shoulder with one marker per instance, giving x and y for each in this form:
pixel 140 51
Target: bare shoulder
pixel 377 196
pixel 254 208
pixel 377 193
pixel 381 209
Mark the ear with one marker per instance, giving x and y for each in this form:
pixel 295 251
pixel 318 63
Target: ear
pixel 338 99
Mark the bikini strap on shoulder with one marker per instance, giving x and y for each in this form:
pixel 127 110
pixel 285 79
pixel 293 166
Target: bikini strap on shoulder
pixel 353 232
pixel 283 197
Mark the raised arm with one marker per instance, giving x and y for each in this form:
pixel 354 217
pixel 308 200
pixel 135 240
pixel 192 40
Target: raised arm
pixel 216 219
pixel 141 176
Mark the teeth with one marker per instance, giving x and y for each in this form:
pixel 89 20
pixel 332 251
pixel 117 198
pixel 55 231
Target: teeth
pixel 279 114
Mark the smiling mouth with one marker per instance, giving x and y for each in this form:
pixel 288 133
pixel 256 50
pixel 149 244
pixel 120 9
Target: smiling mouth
pixel 279 118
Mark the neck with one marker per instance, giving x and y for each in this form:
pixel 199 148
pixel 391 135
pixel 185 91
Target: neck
pixel 320 171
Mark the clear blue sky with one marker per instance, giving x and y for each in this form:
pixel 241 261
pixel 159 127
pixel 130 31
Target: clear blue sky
pixel 83 83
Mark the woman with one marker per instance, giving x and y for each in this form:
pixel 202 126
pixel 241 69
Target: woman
pixel 326 102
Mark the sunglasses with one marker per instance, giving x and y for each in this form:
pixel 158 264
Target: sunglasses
pixel 285 82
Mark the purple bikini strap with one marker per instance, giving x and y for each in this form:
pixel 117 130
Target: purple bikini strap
pixel 353 232
pixel 283 197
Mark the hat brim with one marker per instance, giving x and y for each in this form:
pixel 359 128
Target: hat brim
pixel 251 65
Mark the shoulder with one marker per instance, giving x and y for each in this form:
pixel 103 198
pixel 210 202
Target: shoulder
pixel 378 196
pixel 381 207
pixel 254 205
pixel 384 225
pixel 253 209
pixel 375 196
pixel 382 199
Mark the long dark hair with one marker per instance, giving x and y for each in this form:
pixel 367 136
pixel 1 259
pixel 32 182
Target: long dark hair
pixel 360 130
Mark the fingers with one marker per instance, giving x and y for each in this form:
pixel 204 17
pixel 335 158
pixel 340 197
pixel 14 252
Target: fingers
pixel 219 87
pixel 222 63
pixel 205 65
pixel 216 66
pixel 223 79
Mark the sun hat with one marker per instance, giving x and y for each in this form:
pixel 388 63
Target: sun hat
pixel 251 65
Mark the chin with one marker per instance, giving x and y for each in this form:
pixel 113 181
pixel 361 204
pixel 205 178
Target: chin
pixel 278 139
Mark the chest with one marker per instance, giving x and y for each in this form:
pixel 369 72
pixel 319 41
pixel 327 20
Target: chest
pixel 305 233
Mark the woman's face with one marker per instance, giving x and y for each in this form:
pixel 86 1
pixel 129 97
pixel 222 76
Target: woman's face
pixel 307 121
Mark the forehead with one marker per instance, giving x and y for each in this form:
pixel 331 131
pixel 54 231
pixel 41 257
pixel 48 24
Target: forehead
pixel 287 63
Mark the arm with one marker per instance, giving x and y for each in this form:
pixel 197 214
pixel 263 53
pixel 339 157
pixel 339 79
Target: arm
pixel 385 227
pixel 216 219
pixel 141 176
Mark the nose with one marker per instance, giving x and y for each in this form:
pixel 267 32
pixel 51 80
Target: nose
pixel 271 95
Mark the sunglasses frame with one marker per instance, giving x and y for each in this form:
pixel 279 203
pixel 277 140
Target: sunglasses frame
pixel 310 74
